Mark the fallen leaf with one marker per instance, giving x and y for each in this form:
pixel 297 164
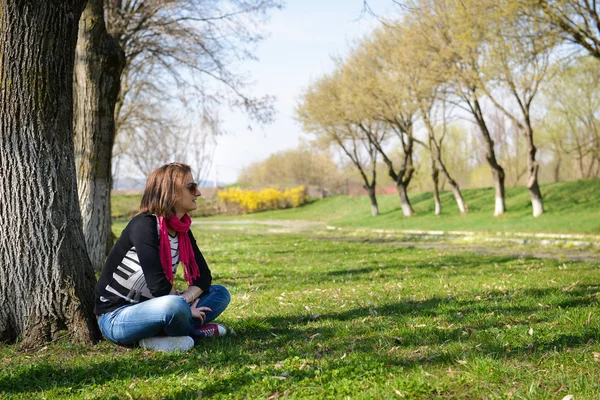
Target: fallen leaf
pixel 560 389
pixel 425 372
pixel 568 397
pixel 570 287
pixel 399 393
pixel 461 362
pixel 596 357
pixel 530 332
pixel 304 364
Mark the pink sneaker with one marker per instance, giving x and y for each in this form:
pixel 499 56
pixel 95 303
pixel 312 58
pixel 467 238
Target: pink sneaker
pixel 211 330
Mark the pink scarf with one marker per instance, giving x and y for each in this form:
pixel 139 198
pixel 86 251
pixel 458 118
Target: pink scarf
pixel 186 252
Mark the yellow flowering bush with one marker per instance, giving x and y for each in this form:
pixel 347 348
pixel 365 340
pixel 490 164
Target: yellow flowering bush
pixel 237 200
pixel 296 196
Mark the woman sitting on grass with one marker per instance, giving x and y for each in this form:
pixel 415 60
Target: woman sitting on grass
pixel 135 297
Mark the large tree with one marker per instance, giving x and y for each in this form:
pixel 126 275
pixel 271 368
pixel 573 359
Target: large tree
pixel 46 279
pixel 99 62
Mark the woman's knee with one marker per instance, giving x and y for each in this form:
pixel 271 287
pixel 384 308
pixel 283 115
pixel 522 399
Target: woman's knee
pixel 173 306
pixel 221 292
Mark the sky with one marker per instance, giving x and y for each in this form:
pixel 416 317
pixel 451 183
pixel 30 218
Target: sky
pixel 303 38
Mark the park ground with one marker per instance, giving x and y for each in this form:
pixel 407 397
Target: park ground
pixel 324 306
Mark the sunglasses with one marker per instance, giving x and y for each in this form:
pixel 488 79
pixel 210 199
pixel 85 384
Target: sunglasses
pixel 192 187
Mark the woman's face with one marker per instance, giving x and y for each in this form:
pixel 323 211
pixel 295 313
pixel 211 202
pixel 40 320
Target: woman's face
pixel 188 195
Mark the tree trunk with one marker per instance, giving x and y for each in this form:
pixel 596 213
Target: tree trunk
pixel 435 177
pixel 46 279
pixel 498 178
pixel 407 209
pixel 497 171
pixel 557 167
pixel 373 198
pixel 436 155
pixel 532 180
pixel 98 65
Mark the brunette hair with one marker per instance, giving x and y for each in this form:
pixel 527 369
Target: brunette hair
pixel 162 189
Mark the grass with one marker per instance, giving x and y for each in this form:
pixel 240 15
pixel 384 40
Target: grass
pixel 327 319
pixel 570 207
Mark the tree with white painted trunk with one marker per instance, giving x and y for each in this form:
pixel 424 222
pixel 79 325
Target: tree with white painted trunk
pixel 375 92
pixel 406 52
pixel 323 112
pixel 454 37
pixel 516 65
pixel 46 279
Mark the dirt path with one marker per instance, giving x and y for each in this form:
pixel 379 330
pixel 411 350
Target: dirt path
pixel 573 247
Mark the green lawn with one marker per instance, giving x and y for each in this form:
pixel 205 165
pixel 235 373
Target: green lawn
pixel 320 318
pixel 571 207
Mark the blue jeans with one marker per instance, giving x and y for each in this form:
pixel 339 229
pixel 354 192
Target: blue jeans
pixel 169 315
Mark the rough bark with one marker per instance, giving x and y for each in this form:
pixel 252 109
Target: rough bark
pixel 98 65
pixel 46 279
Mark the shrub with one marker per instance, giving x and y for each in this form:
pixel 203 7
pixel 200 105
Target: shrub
pixel 235 200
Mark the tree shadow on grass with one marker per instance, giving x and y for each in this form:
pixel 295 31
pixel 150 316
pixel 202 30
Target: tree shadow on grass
pixel 269 340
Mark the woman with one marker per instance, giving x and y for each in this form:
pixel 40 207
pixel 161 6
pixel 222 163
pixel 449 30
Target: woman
pixel 135 298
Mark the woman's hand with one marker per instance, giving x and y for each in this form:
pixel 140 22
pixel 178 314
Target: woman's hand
pixel 186 295
pixel 199 312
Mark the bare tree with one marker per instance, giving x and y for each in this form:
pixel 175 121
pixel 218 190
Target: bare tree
pixel 177 54
pixel 185 51
pixel 46 279
pixel 190 142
